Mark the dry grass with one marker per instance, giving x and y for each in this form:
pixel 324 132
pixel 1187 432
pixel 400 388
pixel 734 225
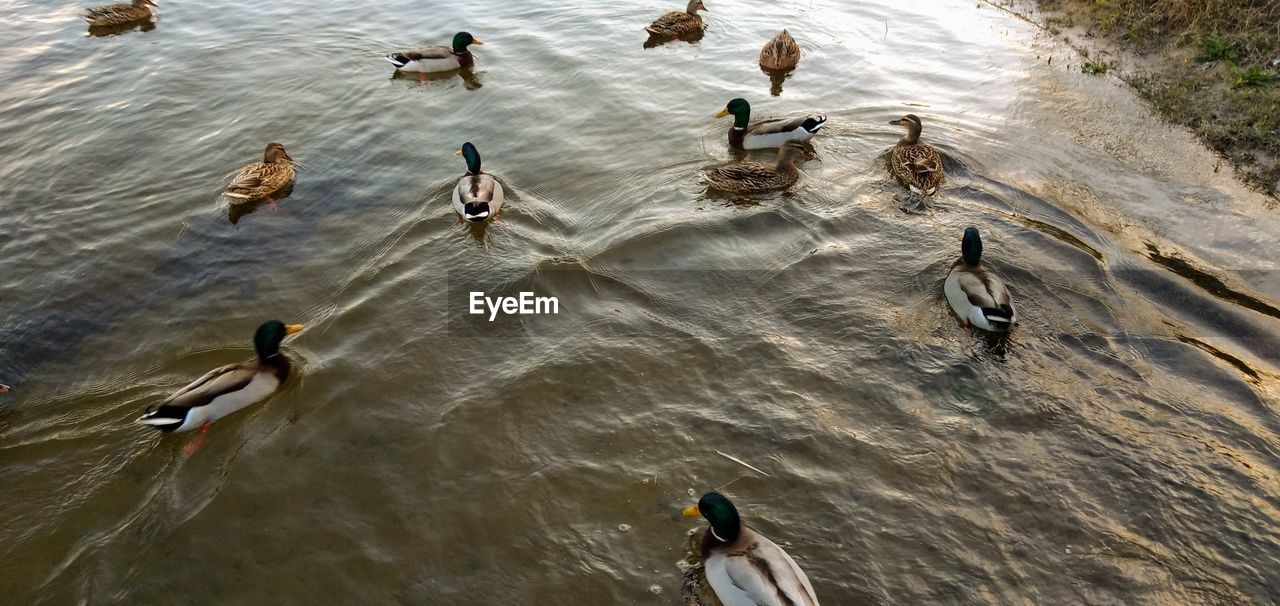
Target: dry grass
pixel 1221 76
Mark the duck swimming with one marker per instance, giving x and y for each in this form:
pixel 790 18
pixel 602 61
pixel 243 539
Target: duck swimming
pixel 478 197
pixel 978 296
pixel 917 166
pixel 262 180
pixel 676 23
pixel 752 177
pixel 225 390
pixel 437 58
pixel 119 15
pixel 764 134
pixel 744 567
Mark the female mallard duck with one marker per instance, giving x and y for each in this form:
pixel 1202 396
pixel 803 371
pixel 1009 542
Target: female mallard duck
pixel 225 390
pixel 675 23
pixel 749 177
pixel 437 58
pixel 117 15
pixel 781 53
pixel 743 567
pixel 767 133
pixel 918 167
pixel 978 296
pixel 262 180
pixel 478 196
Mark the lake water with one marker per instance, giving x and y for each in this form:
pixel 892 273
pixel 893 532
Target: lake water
pixel 1122 447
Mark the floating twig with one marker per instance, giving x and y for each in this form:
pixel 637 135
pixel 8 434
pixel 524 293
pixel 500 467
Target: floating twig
pixel 743 463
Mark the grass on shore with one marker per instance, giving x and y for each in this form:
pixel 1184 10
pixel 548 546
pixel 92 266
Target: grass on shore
pixel 1221 70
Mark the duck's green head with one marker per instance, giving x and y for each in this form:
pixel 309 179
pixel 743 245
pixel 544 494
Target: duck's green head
pixel 472 156
pixel 971 246
pixel 267 340
pixel 741 111
pixel 720 512
pixel 462 40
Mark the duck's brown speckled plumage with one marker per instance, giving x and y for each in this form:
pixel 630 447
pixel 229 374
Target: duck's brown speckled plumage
pixel 746 177
pixel 678 23
pixel 116 15
pixel 781 53
pixel 915 165
pixel 261 180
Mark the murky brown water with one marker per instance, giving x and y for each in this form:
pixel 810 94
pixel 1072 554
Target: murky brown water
pixel 1121 448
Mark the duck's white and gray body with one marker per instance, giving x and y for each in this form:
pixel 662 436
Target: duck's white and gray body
pixel 217 394
pixel 761 574
pixel 979 297
pixel 478 197
pixel 430 59
pixel 768 134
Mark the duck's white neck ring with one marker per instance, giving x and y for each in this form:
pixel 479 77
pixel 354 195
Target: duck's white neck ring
pixel 713 533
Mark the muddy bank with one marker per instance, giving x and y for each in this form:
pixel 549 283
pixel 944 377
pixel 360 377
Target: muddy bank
pixel 1212 66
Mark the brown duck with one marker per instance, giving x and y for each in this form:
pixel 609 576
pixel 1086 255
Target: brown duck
pixel 261 180
pixel 781 53
pixel 917 166
pixel 675 23
pixel 117 15
pixel 748 177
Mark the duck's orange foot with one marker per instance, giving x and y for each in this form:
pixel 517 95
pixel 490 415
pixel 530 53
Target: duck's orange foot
pixel 272 205
pixel 964 323
pixel 422 78
pixel 191 448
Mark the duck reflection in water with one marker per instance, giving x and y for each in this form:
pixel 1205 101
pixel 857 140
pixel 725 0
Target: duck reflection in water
pixel 468 75
pixel 236 211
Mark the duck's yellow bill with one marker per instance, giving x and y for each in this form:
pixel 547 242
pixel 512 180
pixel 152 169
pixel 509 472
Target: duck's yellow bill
pixel 292 328
pixel 724 112
pixel 691 511
pixel 458 153
pixel 477 41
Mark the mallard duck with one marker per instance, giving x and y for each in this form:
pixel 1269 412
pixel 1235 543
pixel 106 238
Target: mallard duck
pixel 743 567
pixel 675 23
pixel 748 177
pixel 917 166
pixel 116 15
pixel 437 58
pixel 978 296
pixel 478 196
pixel 225 390
pixel 781 53
pixel 764 134
pixel 261 180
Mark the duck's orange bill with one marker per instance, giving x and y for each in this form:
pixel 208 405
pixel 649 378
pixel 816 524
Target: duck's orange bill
pixel 691 511
pixel 292 328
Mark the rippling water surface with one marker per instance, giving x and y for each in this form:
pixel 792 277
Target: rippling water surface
pixel 1122 447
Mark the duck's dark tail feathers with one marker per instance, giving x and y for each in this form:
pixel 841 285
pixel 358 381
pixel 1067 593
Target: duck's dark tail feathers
pixel 999 317
pixel 398 59
pixel 814 123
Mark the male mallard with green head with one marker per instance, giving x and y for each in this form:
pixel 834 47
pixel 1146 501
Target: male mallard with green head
pixel 978 296
pixel 750 177
pixel 917 166
pixel 781 53
pixel 744 567
pixel 225 390
pixel 478 197
pixel 437 58
pixel 764 134
pixel 262 180
pixel 675 23
pixel 118 15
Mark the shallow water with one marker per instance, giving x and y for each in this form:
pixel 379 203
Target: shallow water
pixel 1122 447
